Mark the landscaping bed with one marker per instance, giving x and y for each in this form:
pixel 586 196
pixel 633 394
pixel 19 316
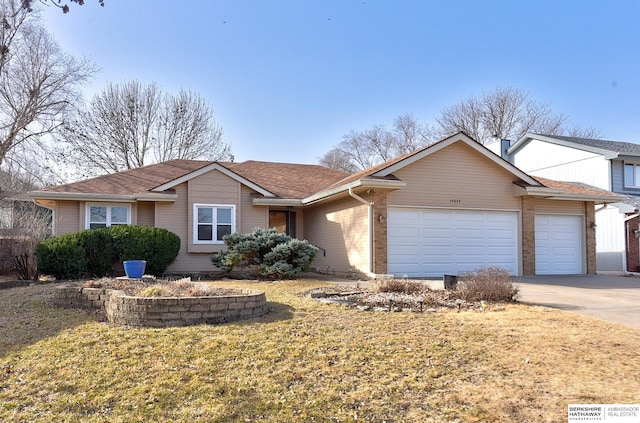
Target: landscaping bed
pixel 149 303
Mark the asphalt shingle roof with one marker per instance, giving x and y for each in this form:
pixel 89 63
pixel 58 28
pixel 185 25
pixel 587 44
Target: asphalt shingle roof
pixel 620 147
pixel 282 179
pixel 572 187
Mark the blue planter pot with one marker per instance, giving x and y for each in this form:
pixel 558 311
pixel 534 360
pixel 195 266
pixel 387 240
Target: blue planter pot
pixel 134 268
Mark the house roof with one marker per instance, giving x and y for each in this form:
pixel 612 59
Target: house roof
pixel 609 149
pixel 154 181
pixel 294 184
pixel 141 179
pixel 287 180
pixel 581 190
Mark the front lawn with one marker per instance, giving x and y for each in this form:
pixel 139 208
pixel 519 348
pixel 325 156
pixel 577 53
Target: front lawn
pixel 310 361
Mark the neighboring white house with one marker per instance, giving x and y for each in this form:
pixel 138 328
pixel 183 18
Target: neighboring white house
pixel 610 165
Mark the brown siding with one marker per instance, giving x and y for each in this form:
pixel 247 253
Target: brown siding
pixel 211 188
pixel 559 207
pixel 146 213
pixel 68 217
pixel 455 177
pixel 250 216
pixel 173 217
pixel 340 229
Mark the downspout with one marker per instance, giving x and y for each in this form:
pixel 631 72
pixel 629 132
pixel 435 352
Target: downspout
pixel 370 218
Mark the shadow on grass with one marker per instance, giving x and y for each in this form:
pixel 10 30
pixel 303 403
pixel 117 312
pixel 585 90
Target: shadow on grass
pixel 277 312
pixel 27 315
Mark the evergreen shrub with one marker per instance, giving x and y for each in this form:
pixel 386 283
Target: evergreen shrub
pixel 273 254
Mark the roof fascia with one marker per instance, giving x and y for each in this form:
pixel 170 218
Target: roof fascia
pixel 207 169
pixel 451 140
pixel 559 194
pixel 281 202
pixel 364 183
pixel 526 138
pixel 115 198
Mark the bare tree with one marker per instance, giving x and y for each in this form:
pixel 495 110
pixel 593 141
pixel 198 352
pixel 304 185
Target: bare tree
pixel 39 83
pixel 361 150
pixel 505 112
pixel 28 4
pixel 130 125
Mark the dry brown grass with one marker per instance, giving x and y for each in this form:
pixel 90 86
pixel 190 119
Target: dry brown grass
pixel 308 361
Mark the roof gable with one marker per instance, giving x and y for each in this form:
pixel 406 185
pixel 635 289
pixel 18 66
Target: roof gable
pixel 609 149
pixel 388 168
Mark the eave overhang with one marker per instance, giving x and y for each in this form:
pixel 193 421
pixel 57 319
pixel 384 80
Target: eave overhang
pixel 112 198
pixel 560 194
pixel 277 202
pixel 361 184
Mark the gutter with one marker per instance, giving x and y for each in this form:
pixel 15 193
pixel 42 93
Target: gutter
pixel 370 219
pixel 121 198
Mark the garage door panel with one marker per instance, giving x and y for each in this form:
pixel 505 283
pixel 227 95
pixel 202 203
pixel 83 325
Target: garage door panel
pixel 559 244
pixel 451 241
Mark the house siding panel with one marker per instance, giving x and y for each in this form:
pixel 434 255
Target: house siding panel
pixel 470 182
pixel 212 188
pixel 617 177
pixel 146 213
pixel 251 216
pixel 68 218
pixel 539 158
pixel 559 207
pixel 173 217
pixel 340 229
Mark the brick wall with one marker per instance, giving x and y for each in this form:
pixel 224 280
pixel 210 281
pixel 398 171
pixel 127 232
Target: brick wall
pixel 528 236
pixel 590 231
pixel 633 245
pixel 380 260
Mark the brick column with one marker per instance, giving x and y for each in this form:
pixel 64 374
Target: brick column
pixel 590 231
pixel 528 236
pixel 380 232
pixel 633 245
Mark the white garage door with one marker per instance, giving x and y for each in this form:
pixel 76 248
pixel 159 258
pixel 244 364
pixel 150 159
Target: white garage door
pixel 558 245
pixel 437 242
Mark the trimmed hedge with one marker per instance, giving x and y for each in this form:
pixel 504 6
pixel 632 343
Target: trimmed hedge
pixel 93 252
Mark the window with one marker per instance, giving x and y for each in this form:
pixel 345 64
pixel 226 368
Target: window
pixel 632 175
pixel 102 216
pixel 212 222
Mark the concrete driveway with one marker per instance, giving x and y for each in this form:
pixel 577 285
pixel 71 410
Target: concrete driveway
pixel 612 298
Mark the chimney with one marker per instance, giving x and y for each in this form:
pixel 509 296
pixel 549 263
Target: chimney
pixel 504 148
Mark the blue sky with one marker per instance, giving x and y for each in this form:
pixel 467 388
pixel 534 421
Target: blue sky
pixel 287 79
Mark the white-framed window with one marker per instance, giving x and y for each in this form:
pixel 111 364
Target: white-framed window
pixel 632 175
pixel 213 221
pixel 104 215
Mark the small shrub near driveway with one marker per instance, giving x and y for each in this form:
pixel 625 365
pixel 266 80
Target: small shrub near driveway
pixel 487 284
pixel 403 286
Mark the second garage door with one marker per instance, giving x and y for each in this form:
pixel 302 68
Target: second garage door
pixel 432 243
pixel 558 245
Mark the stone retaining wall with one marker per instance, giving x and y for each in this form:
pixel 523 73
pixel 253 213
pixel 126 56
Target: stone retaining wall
pixel 122 309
